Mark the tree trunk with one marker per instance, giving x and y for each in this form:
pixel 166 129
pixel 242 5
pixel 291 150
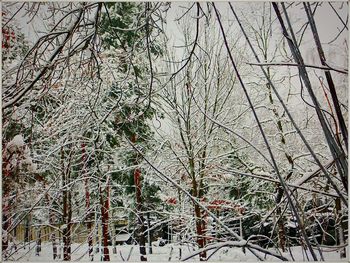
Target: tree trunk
pixel 5 227
pixel 197 212
pixel 38 242
pixel 67 215
pixel 90 241
pixel 200 233
pixel 280 223
pixel 52 236
pixel 114 240
pixel 87 205
pixel 54 246
pixel 68 226
pixel 241 232
pixel 104 212
pixel 67 212
pixel 97 241
pixel 340 229
pixel 59 255
pixel 65 208
pixel 141 221
pixel 280 191
pixel 149 234
pixel 6 173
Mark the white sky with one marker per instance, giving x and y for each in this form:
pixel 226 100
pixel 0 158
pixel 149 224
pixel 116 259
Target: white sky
pixel 326 20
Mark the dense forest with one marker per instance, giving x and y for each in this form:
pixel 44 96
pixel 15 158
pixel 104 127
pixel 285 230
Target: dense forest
pixel 174 131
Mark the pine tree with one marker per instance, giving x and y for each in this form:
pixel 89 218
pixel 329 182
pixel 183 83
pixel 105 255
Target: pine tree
pixel 135 93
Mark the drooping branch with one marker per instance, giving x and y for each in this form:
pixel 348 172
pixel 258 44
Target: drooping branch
pixel 50 63
pixel 327 68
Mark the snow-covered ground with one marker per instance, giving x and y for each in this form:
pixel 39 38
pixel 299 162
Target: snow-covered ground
pixel 168 252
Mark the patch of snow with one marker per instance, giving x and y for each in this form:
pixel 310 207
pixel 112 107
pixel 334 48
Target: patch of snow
pixel 122 237
pixel 160 254
pixel 16 143
pixel 292 224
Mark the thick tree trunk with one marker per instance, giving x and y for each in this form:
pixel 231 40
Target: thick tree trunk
pixel 141 221
pixel 90 241
pixel 200 232
pixel 104 212
pixel 197 212
pixel 141 232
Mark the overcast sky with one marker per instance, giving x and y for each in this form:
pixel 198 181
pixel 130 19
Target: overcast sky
pixel 328 24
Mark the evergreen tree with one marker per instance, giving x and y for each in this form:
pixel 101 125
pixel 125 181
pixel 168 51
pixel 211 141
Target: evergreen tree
pixel 127 30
